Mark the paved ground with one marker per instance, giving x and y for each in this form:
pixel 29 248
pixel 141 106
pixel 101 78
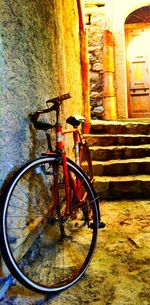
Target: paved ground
pixel 120 270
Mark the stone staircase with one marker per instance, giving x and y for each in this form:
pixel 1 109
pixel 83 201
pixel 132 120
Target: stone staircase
pixel 121 158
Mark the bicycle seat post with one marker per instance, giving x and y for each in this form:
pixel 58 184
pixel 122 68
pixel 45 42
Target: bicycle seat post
pixel 59 137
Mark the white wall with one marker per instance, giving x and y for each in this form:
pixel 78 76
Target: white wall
pixel 117 11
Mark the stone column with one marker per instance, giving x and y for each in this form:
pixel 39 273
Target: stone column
pixel 109 100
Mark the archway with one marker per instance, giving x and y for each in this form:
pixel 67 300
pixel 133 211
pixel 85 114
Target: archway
pixel 137 32
pixel 118 12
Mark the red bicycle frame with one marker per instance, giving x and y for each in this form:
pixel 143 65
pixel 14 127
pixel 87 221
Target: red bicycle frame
pixel 76 185
pixel 80 147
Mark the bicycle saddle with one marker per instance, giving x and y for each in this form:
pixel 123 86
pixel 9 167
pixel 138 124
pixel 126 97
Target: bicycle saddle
pixel 75 120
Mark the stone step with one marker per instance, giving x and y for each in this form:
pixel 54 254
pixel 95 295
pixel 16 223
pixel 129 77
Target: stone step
pixel 117 139
pixel 103 153
pixel 121 167
pixel 121 187
pixel 120 152
pixel 120 127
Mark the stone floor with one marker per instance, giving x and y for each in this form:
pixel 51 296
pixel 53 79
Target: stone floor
pixel 119 273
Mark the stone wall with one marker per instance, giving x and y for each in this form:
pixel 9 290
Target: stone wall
pixel 98 23
pixel 39 59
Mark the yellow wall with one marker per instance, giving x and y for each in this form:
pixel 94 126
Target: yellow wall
pixel 39 59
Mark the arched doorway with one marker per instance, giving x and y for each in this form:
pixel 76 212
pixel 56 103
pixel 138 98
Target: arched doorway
pixel 137 32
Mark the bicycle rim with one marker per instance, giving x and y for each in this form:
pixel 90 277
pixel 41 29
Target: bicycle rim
pixel 42 250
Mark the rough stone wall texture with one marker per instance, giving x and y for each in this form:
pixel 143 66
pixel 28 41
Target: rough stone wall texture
pixel 98 23
pixel 39 59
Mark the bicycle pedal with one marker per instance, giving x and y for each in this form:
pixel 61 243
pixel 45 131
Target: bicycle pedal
pixel 91 225
pixel 102 225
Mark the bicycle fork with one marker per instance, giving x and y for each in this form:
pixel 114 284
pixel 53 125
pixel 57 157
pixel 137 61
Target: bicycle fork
pixel 56 169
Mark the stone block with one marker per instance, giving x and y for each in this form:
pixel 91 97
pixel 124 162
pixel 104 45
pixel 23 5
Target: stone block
pixel 94 76
pixel 97 66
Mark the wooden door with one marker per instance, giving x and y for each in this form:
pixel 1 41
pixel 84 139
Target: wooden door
pixel 138 69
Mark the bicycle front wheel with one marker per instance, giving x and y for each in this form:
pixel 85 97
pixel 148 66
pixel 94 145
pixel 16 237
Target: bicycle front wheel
pixel 44 251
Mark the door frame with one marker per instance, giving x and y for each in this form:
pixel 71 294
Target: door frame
pixel 131 26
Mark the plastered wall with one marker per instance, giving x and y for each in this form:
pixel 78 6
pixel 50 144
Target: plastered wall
pixel 39 59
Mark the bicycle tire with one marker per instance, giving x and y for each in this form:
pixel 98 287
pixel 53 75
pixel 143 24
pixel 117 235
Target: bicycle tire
pixel 31 245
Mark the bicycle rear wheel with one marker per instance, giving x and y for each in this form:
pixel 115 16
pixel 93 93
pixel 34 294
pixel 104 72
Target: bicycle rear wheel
pixel 43 251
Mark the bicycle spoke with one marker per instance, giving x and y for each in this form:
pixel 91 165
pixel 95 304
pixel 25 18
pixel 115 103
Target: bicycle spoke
pixel 48 247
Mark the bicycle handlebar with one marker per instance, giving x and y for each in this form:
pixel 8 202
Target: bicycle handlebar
pixel 57 101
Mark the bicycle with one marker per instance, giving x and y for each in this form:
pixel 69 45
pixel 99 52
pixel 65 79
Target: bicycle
pixel 50 212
